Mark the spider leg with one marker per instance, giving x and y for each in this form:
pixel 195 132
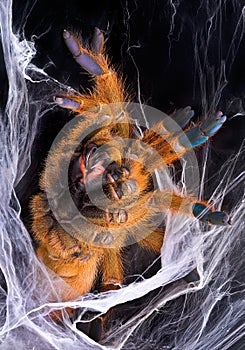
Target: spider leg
pixel 97 328
pixel 190 206
pixel 67 103
pixel 170 144
pixel 203 213
pixel 108 86
pixel 86 59
pixel 153 241
pixel 200 134
pixel 181 118
pixel 74 261
pixel 111 278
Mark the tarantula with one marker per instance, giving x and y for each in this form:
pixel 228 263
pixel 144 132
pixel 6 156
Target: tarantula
pixel 99 166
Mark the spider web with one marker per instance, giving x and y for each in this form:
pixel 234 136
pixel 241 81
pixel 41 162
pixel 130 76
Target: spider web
pixel 208 314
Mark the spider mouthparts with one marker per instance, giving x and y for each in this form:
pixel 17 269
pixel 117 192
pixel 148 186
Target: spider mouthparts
pixel 113 193
pixel 110 179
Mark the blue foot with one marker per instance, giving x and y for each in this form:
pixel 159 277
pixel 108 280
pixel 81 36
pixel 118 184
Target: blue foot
pixel 200 134
pixel 212 125
pixel 81 57
pixel 177 120
pixel 193 276
pixel 183 116
pixel 204 214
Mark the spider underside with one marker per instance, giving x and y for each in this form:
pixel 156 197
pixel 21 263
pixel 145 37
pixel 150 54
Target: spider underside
pixel 125 180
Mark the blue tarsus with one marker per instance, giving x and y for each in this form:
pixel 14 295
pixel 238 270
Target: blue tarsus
pixel 200 134
pixel 193 276
pixel 203 213
pixel 213 124
pixel 183 116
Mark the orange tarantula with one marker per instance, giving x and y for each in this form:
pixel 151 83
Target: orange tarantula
pixel 110 179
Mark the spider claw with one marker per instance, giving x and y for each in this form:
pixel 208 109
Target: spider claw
pixel 66 103
pixel 182 116
pixel 200 134
pixel 204 214
pixel 97 41
pixel 212 125
pixel 81 57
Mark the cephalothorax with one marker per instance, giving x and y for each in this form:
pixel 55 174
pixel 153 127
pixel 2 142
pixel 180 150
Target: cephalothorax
pixel 100 160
